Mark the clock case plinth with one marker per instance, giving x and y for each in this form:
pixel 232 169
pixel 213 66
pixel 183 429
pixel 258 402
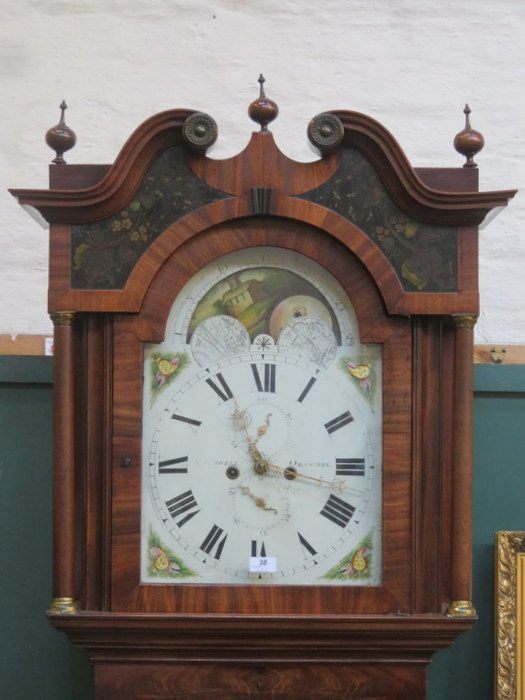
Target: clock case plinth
pixel 403 242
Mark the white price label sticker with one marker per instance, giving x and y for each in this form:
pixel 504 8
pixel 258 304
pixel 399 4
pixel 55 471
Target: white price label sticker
pixel 259 565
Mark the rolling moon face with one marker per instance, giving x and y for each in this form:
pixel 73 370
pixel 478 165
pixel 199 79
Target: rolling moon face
pixel 294 307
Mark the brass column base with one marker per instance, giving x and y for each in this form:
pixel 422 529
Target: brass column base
pixel 63 606
pixel 461 608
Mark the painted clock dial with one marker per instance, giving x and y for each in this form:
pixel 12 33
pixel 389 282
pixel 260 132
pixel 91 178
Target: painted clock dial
pixel 262 431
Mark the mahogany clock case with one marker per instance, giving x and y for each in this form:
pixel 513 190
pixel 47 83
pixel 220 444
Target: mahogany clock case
pixel 402 243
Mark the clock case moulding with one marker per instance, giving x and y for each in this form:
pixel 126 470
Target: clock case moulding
pixel 403 242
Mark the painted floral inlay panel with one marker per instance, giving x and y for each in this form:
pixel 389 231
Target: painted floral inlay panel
pixel 423 255
pixel 105 252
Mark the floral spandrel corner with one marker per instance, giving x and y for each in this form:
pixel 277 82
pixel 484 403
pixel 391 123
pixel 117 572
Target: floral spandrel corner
pixel 162 563
pixel 357 565
pixel 361 372
pixel 164 367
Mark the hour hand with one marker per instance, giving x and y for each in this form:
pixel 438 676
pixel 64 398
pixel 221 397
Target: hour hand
pixel 259 502
pixel 241 420
pixel 261 430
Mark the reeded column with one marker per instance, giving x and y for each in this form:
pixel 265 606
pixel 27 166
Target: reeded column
pixel 63 461
pixel 461 575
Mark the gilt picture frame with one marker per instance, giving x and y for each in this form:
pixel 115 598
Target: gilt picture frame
pixel 510 615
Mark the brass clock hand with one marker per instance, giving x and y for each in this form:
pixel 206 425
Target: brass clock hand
pixel 336 485
pixel 263 428
pixel 241 420
pixel 259 502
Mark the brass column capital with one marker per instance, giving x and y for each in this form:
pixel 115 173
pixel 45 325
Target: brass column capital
pixel 467 321
pixel 62 318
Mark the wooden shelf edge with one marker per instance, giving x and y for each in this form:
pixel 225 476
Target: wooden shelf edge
pixel 499 354
pixel 214 636
pixel 23 344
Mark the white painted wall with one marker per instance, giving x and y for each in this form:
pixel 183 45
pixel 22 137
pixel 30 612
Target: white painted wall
pixel 411 64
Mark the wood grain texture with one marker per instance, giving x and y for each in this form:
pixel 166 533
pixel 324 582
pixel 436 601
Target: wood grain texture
pixel 93 452
pixel 375 326
pixel 273 169
pixel 283 681
pixel 204 221
pixel 22 344
pixel 113 191
pixel 432 425
pixel 258 637
pixel 188 640
pixel 405 187
pixel 64 582
pixel 499 353
pixel 261 164
pixel 462 445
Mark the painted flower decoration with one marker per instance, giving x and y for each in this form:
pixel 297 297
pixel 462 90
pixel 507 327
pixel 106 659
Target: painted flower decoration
pixel 162 562
pixel 358 563
pixel 362 374
pixel 165 369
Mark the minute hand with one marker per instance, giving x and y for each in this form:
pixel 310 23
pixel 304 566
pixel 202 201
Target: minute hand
pixel 337 485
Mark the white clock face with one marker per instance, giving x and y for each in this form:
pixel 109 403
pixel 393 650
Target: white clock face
pixel 262 431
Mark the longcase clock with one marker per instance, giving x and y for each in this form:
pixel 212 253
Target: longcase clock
pixel 263 406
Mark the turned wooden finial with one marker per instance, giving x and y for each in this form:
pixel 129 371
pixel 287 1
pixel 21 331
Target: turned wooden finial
pixel 61 138
pixel 263 110
pixel 469 141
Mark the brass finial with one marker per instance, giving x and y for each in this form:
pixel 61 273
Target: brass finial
pixel 61 138
pixel 469 141
pixel 263 110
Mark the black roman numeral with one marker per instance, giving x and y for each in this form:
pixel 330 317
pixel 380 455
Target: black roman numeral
pixel 267 383
pixel 350 466
pixel 307 389
pixel 338 511
pixel 184 419
pixel 223 391
pixel 183 503
pixel 169 466
pixel 211 542
pixel 307 546
pixel 256 550
pixel 338 422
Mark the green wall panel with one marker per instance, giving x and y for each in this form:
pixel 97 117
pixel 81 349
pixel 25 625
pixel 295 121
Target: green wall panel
pixel 38 663
pixel 466 670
